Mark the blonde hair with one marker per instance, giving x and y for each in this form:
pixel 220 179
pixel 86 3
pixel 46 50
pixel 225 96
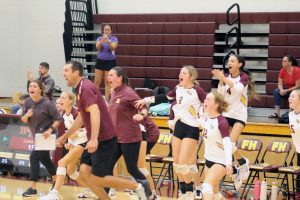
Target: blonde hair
pixel 71 97
pixel 193 73
pixel 297 91
pixel 220 100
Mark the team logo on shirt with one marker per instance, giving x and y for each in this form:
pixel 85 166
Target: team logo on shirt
pixel 297 120
pixel 189 92
pixel 118 100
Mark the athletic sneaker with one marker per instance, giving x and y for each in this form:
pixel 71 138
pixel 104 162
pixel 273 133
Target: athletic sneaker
pixel 237 179
pixel 86 194
pixel 52 195
pixel 143 191
pixel 30 192
pixel 182 196
pixel 198 194
pixel 245 170
pixel 112 193
pixel 189 196
pixel 154 196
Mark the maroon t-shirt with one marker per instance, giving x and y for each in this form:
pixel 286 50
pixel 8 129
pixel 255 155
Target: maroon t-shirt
pixel 122 109
pixel 152 130
pixel 86 95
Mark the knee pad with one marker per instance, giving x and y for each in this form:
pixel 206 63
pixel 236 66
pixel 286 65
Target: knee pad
pixel 206 188
pixel 218 196
pixel 176 168
pixel 75 175
pixel 62 171
pixel 184 169
pixel 193 169
pixel 234 148
pixel 144 171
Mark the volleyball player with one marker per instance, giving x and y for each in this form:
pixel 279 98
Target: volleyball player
pixel 189 97
pixel 193 163
pixel 294 122
pixel 76 144
pixel 97 160
pixel 236 87
pixel 218 146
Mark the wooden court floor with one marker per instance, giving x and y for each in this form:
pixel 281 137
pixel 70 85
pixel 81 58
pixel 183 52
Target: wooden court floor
pixel 12 189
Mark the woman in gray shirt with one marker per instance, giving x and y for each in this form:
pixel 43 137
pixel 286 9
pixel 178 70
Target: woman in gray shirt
pixel 41 116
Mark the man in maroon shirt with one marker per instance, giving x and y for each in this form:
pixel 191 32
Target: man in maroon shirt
pixel 97 161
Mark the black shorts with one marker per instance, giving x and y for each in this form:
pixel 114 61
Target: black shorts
pixel 105 65
pixel 209 164
pixel 101 160
pixel 183 130
pixel 232 121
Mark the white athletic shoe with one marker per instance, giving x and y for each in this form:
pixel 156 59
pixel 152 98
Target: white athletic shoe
pixel 140 191
pixel 245 170
pixel 112 193
pixel 52 195
pixel 237 179
pixel 189 196
pixel 154 196
pixel 181 196
pixel 86 194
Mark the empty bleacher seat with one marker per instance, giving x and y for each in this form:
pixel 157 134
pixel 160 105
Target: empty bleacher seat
pixel 280 51
pixel 285 27
pixel 284 39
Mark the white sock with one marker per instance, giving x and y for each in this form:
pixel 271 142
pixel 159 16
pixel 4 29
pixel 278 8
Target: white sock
pixel 139 186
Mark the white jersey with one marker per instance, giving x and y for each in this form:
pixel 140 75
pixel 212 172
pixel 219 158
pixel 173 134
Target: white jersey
pixel 237 97
pixel 68 121
pixel 294 122
pixel 188 104
pixel 213 132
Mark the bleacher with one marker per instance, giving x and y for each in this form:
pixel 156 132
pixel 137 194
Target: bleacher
pixel 156 46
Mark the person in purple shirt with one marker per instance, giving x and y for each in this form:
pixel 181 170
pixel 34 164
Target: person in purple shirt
pixel 106 58
pixel 97 160
pixel 41 116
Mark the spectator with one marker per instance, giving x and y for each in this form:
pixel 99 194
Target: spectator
pixel 45 78
pixel 18 108
pixel 22 100
pixel 288 80
pixel 106 58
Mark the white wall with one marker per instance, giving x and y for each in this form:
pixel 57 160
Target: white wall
pixel 30 33
pixel 194 6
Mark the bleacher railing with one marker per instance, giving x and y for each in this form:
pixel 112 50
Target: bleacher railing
pixel 78 18
pixel 236 23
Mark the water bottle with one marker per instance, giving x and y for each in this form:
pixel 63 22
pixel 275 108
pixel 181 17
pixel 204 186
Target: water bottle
pixel 256 189
pixel 263 190
pixel 274 192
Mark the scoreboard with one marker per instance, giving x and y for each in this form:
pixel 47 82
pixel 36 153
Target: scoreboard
pixel 16 143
